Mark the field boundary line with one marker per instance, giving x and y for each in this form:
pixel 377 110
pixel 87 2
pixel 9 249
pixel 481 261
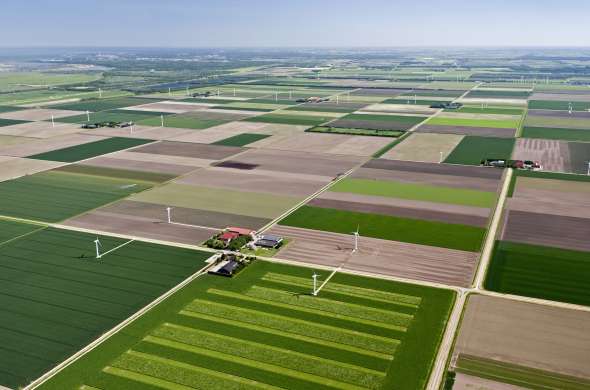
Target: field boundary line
pixel 48 375
pixel 486 253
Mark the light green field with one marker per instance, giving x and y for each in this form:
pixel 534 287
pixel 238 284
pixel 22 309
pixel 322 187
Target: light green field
pixel 221 200
pixel 559 122
pixel 416 192
pixel 18 80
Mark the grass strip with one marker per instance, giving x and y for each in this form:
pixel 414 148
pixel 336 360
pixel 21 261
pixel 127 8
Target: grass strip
pixel 386 227
pixel 270 354
pixel 173 375
pixel 283 333
pixel 375 317
pixel 344 289
pixel 296 325
pixel 518 375
pixel 253 363
pixel 265 297
pixel 412 191
pixel 390 146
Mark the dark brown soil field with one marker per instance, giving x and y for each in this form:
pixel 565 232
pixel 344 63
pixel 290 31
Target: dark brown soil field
pixel 440 169
pixel 187 149
pixel 428 215
pixel 236 180
pixel 157 213
pixel 371 124
pixel 467 130
pixel 403 260
pixel 427 178
pixel 549 230
pixel 299 162
pixel 559 114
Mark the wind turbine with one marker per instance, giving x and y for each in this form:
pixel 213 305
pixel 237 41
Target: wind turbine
pixel 315 284
pixel 356 239
pixel 98 247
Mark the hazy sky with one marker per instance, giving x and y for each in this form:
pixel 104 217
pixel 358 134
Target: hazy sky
pixel 195 23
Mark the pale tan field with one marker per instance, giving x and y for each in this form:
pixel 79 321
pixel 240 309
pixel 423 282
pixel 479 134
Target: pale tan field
pixel 426 147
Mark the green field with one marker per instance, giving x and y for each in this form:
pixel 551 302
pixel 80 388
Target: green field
pixel 558 105
pixel 184 121
pixel 423 192
pixel 488 110
pixel 10 108
pixel 94 105
pixel 472 149
pixel 556 133
pixel 518 375
pixel 444 235
pixel 322 108
pixel 241 139
pixel 91 149
pixel 54 196
pixel 559 122
pixel 264 330
pixel 344 130
pixel 10 122
pixel 482 93
pixel 12 80
pixel 495 123
pixel 9 230
pixel 118 173
pixel 112 116
pixel 57 297
pixel 405 119
pixel 540 272
pixel 291 119
pixel 410 100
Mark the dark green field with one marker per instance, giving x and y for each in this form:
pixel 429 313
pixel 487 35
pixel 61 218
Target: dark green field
pixel 185 121
pixel 10 108
pixel 116 173
pixel 540 272
pixel 94 105
pixel 482 93
pixel 241 139
pixel 344 130
pixel 54 196
pixel 445 235
pixel 264 330
pixel 406 119
pixel 10 122
pixel 488 110
pixel 91 149
pixel 556 133
pixel 472 149
pixel 558 105
pixel 114 116
pixel 9 230
pixel 57 297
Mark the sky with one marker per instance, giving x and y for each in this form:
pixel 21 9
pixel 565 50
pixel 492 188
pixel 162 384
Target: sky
pixel 294 23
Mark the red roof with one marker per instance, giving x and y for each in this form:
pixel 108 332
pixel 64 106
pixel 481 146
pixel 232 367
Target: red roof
pixel 241 231
pixel 228 236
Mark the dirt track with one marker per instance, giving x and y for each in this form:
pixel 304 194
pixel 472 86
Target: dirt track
pixel 378 256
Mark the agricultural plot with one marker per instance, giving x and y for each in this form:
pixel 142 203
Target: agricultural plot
pixel 57 297
pixel 241 139
pixel 54 196
pixel 482 121
pixel 539 271
pixel 10 122
pixel 488 110
pixel 473 149
pixel 558 105
pixel 39 129
pixel 95 105
pixel 512 343
pixel 289 118
pixel 576 122
pixel 30 146
pixel 378 121
pixel 410 100
pixel 554 133
pixel 4 109
pixel 554 155
pixel 498 94
pixel 116 115
pixel 171 107
pixel 10 230
pixel 344 144
pixel 90 149
pixel 425 147
pixel 194 120
pixel 13 167
pixel 190 150
pixel 264 330
pixel 226 130
pixel 368 132
pixel 399 109
pixel 344 107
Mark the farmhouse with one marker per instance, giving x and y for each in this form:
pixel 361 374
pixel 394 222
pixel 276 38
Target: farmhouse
pixel 269 241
